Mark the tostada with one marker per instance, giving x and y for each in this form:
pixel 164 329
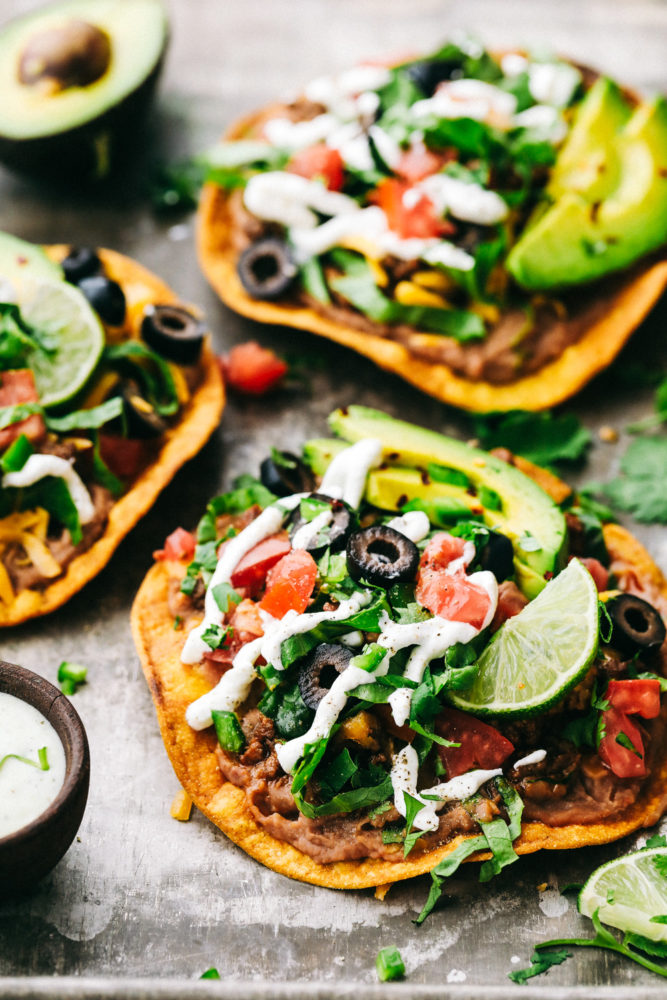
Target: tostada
pixel 107 386
pixel 398 651
pixel 491 228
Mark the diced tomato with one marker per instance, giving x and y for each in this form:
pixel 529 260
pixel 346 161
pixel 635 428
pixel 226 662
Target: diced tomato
pixel 18 386
pixel 416 218
pixel 289 584
pixel 251 571
pixel 319 161
pixel 252 369
pixel 635 697
pixel 481 744
pixel 442 550
pixel 599 572
pixel 246 621
pixel 419 162
pixel 624 762
pixel 180 544
pixel 126 457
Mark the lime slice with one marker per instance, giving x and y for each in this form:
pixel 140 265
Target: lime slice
pixel 538 655
pixel 629 891
pixel 61 314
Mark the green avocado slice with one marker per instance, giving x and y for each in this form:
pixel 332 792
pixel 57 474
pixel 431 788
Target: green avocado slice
pixel 487 487
pixel 18 259
pixel 576 240
pixel 588 162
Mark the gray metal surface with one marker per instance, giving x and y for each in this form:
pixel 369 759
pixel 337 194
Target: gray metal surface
pixel 142 905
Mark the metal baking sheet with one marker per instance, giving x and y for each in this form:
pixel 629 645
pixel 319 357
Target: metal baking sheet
pixel 142 905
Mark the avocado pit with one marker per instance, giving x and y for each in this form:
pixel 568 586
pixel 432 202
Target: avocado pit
pixel 75 54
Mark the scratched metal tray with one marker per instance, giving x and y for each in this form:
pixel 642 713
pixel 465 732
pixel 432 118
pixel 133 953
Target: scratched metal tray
pixel 142 905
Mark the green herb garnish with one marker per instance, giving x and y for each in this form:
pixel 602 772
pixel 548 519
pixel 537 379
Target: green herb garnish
pixel 71 676
pixel 42 761
pixel 228 730
pixel 389 964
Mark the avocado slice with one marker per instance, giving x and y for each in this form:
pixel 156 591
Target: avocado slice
pixel 451 480
pixel 588 162
pixel 18 258
pixel 576 240
pixel 75 79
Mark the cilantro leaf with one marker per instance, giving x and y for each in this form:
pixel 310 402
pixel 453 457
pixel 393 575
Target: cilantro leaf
pixel 657 840
pixel 540 437
pixel 640 489
pixel 412 807
pixel 540 962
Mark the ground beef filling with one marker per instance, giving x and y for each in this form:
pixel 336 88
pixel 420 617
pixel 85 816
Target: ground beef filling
pixel 24 575
pixel 568 787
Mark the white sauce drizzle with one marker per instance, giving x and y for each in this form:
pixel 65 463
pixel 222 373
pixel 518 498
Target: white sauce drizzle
pixel 546 119
pixel 276 631
pixel 25 792
pixel 293 136
pixel 533 758
pixel 337 92
pixel 468 98
pixel 230 691
pixel 39 466
pixel 347 473
pixel 553 82
pixel 308 531
pixel 415 525
pixel 404 779
pixel 470 202
pixel 278 196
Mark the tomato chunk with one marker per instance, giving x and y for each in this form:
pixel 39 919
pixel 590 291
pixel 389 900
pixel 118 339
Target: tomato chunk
pixel 635 697
pixel 319 161
pixel 289 584
pixel 623 761
pixel 481 744
pixel 253 369
pixel 599 572
pixel 180 544
pixel 126 457
pixel 251 571
pixel 411 216
pixel 18 386
pixel 417 163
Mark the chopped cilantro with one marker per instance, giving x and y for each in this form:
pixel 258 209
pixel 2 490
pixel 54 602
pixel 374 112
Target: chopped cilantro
pixel 412 807
pixel 640 489
pixel 541 961
pixel 657 840
pixel 225 595
pixel 215 636
pixel 539 437
pixel 210 974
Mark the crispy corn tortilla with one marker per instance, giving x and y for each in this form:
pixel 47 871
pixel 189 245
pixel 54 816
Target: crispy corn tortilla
pixel 182 441
pixel 192 754
pixel 552 384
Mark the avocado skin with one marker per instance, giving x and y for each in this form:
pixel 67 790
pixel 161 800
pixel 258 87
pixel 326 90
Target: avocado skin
pixel 74 154
pixel 409 449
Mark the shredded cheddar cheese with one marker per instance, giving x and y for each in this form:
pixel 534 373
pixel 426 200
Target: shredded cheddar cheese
pixel 27 529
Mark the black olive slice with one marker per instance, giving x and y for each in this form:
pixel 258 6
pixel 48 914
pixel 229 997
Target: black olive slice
pixel 174 333
pixel 141 419
pixel 335 534
pixel 106 297
pixel 267 268
pixel 428 74
pixel 287 475
pixel 381 555
pixel 319 671
pixel 497 556
pixel 636 625
pixel 80 263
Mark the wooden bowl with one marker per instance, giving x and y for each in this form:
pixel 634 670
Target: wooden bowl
pixel 32 851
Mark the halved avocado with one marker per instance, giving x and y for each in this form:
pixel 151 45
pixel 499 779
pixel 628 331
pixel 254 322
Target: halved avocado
pixel 18 258
pixel 76 78
pixel 497 493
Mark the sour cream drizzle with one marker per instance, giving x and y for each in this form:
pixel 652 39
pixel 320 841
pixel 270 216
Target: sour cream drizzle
pixel 40 466
pixel 404 779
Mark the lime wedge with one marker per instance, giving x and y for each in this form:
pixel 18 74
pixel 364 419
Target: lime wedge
pixel 72 334
pixel 538 655
pixel 629 891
